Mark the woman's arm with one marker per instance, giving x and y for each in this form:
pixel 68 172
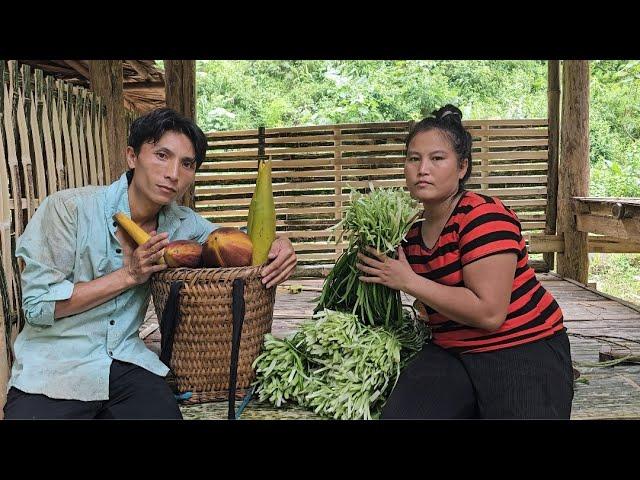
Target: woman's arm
pixel 482 303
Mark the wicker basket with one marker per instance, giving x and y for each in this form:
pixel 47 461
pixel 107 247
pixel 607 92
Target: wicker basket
pixel 201 355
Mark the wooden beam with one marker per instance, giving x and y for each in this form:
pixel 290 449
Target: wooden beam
pixel 140 69
pixel 106 82
pixel 180 95
pixel 78 67
pixel 539 243
pixel 143 85
pixel 573 179
pixel 553 114
pixel 625 228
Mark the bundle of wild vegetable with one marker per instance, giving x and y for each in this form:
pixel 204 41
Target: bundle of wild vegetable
pixel 379 219
pixel 336 365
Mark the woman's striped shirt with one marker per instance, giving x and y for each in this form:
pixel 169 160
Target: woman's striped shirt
pixel 480 226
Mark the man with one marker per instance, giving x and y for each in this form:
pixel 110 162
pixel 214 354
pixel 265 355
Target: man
pixel 85 283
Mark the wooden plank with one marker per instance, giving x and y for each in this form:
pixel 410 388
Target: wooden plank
pixel 541 243
pixel 309 186
pixel 512 167
pixel 515 132
pixel 278 165
pixel 316 256
pixel 312 210
pixel 609 200
pixel 628 228
pixel 618 209
pixel 522 155
pixel 332 246
pixel 635 308
pixel 279 200
pixel 253 152
pixel 541 142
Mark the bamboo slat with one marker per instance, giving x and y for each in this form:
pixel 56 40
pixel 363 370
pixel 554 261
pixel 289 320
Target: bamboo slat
pixel 5 217
pixel 91 152
pixel 79 167
pixel 73 179
pixel 63 181
pixel 12 160
pixel 105 147
pixel 95 128
pixel 41 176
pixel 25 155
pixel 84 160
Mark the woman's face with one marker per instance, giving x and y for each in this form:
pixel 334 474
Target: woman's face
pixel 431 168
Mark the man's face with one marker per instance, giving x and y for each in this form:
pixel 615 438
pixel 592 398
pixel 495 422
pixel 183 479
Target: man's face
pixel 164 170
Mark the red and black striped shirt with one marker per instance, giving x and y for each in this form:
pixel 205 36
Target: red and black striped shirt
pixel 480 226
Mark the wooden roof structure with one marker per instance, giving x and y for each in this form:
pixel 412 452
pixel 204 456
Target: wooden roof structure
pixel 143 83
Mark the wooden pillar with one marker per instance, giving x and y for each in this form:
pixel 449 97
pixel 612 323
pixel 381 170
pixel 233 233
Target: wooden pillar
pixel 574 172
pixel 106 82
pixel 180 95
pixel 553 115
pixel 4 357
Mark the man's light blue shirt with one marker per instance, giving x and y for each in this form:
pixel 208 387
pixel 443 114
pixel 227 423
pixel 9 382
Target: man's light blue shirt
pixel 70 239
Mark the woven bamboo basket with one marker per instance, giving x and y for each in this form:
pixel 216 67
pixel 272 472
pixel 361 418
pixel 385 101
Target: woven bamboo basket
pixel 201 355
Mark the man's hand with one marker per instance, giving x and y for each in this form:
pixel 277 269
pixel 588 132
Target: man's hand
pixel 282 262
pixel 140 264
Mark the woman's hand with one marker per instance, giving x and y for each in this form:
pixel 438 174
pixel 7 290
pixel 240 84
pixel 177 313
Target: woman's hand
pixel 395 274
pixel 282 262
pixel 140 263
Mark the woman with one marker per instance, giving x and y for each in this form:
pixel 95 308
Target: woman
pixel 499 347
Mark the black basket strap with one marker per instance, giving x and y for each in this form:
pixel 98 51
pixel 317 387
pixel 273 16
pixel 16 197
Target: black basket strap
pixel 169 322
pixel 238 318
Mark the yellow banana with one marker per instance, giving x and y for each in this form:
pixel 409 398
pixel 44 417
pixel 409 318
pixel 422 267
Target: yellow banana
pixel 134 231
pixel 262 215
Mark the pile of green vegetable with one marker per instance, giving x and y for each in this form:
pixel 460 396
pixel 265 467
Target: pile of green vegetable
pixel 336 365
pixel 344 362
pixel 380 219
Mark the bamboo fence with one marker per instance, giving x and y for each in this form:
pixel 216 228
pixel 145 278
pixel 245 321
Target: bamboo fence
pixel 314 168
pixel 52 137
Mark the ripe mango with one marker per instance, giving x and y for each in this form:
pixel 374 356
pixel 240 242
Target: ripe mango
pixel 227 247
pixel 183 253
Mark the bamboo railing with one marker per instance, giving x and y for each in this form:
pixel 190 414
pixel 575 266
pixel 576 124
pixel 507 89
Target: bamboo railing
pixel 52 137
pixel 314 168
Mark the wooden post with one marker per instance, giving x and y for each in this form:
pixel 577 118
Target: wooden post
pixel 180 95
pixel 106 82
pixel 553 115
pixel 574 175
